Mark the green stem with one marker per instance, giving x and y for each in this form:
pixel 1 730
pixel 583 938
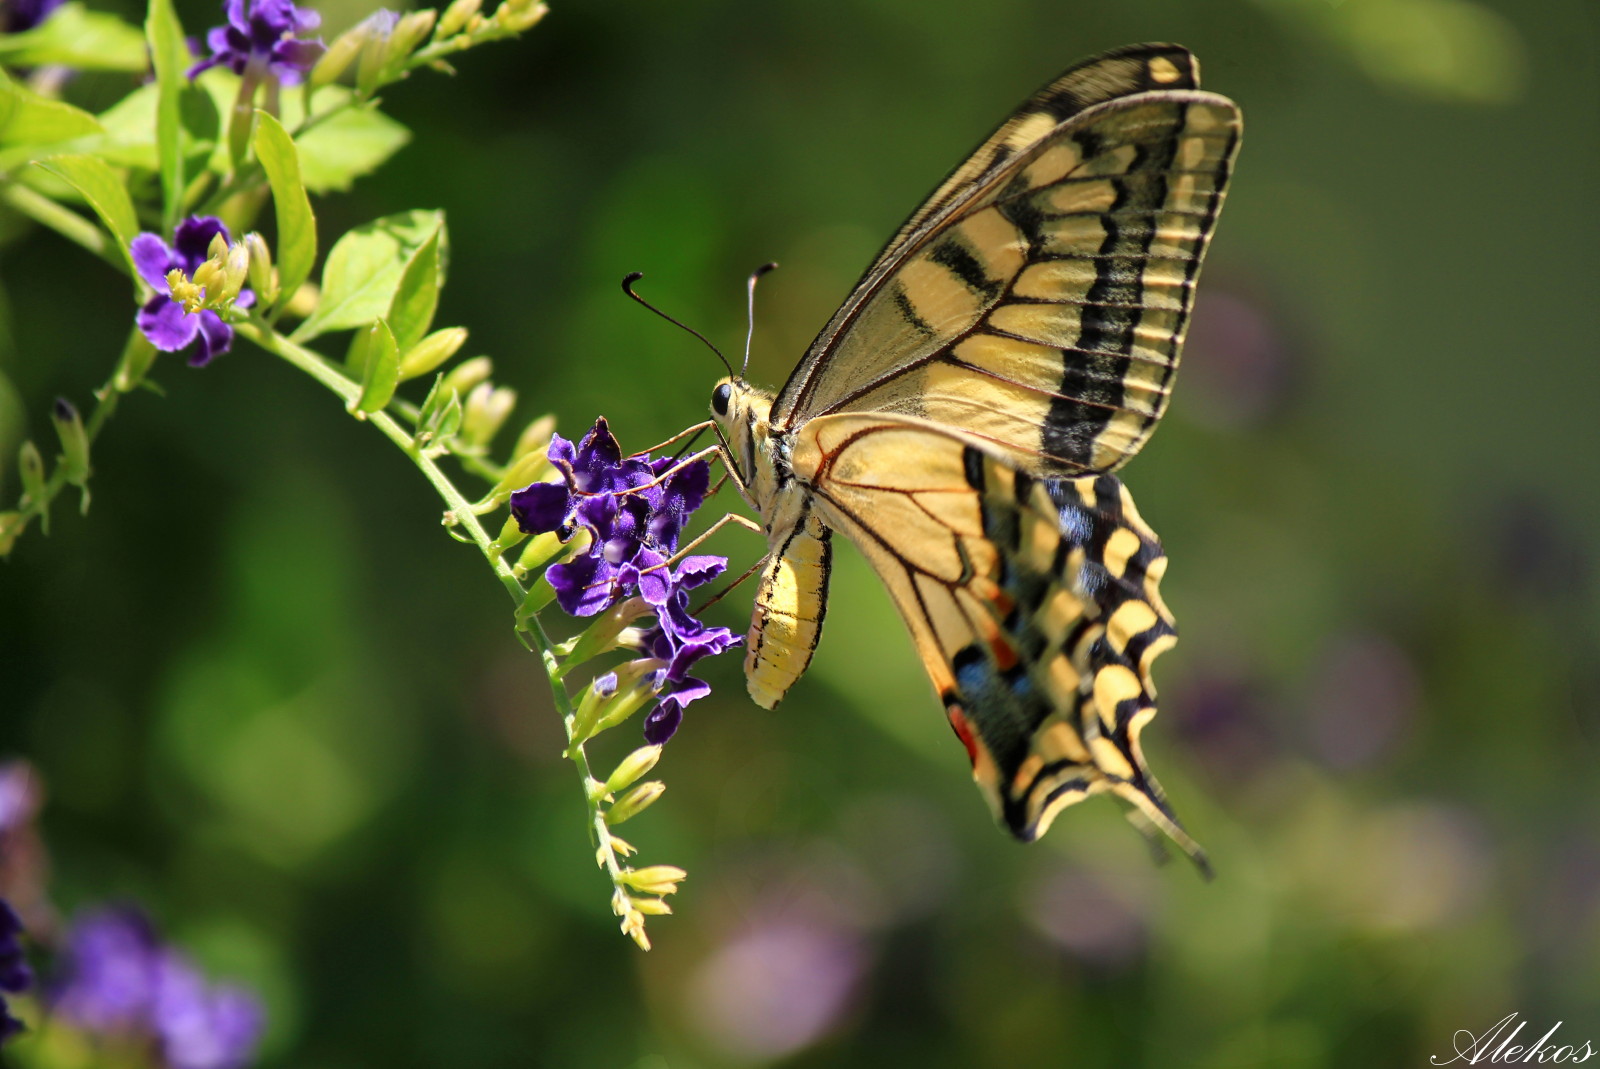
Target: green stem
pixel 64 221
pixel 460 514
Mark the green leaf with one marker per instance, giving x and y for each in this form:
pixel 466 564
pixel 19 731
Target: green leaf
pixel 381 373
pixel 26 118
pixel 169 51
pixel 102 188
pixel 356 142
pixel 417 296
pixel 78 38
pixel 364 269
pixel 297 227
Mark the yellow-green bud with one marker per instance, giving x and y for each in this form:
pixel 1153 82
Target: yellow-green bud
pixel 409 34
pixel 467 374
pixel 486 410
pixel 374 52
pixel 656 907
pixel 208 282
pixel 74 441
pixel 337 59
pixel 235 269
pixel 218 249
pixel 542 550
pixel 432 351
pixel 535 435
pixel 601 635
pixel 261 273
pixel 30 465
pixel 528 468
pixel 455 18
pixel 654 879
pixel 632 767
pixel 635 802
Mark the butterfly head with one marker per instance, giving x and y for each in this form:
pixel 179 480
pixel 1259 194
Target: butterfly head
pixel 741 413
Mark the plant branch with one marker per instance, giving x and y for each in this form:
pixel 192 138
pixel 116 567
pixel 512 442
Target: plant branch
pixel 64 221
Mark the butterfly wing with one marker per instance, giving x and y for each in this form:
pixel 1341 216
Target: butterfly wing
pixel 1034 604
pixel 1040 298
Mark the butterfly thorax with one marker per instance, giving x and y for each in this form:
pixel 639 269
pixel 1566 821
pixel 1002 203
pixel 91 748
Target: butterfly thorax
pixel 756 453
pixel 791 596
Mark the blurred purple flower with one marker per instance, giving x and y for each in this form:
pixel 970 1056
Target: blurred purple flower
pixel 1241 370
pixel 203 1027
pixel 635 509
pixel 108 973
pixel 17 16
pixel 1224 715
pixel 119 978
pixel 1096 921
pixel 15 975
pixel 162 319
pixel 19 795
pixel 264 34
pixel 1364 696
pixel 779 987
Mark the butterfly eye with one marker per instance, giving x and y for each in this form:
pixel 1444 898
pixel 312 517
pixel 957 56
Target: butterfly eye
pixel 720 398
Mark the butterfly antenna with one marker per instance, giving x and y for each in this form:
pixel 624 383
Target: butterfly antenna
pixel 750 311
pixel 627 287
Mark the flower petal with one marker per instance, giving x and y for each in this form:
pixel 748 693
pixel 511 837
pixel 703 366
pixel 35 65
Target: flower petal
pixel 166 324
pixel 541 507
pixel 216 338
pixel 153 259
pixel 191 241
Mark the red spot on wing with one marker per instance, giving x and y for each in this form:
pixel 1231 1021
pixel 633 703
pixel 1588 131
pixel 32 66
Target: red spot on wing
pixel 963 730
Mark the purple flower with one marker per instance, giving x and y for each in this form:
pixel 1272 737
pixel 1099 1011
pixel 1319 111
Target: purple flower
pixel 162 319
pixel 15 975
pixel 109 971
pixel 635 509
pixel 264 35
pixel 202 1027
pixel 634 518
pixel 120 979
pixel 17 16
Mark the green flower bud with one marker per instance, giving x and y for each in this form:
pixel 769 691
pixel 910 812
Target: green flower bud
pixel 655 907
pixel 467 374
pixel 137 359
pixel 528 468
pixel 541 551
pixel 455 17
pixel 262 276
pixel 337 59
pixel 654 879
pixel 635 802
pixel 519 15
pixel 374 51
pixel 208 283
pixel 535 436
pixel 218 249
pixel 485 411
pixel 408 35
pixel 235 270
pixel 511 533
pixel 632 767
pixel 74 441
pixel 30 466
pixel 601 635
pixel 432 351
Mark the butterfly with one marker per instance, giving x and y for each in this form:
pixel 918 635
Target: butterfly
pixel 959 418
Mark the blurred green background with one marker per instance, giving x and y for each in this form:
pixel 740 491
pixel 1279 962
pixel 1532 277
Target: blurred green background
pixel 273 701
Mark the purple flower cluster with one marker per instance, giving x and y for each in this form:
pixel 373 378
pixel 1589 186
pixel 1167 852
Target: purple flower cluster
pixel 120 979
pixel 635 508
pixel 15 975
pixel 264 34
pixel 162 319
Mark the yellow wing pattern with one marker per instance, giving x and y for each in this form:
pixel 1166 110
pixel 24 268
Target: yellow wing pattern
pixel 1034 604
pixel 1040 302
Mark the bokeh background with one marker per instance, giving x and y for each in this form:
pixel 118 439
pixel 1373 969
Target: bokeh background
pixel 275 703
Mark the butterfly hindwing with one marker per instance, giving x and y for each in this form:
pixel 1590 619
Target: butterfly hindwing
pixel 1042 306
pixel 1034 604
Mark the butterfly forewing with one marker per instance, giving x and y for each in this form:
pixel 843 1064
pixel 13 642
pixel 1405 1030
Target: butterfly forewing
pixel 1043 307
pixel 1034 604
